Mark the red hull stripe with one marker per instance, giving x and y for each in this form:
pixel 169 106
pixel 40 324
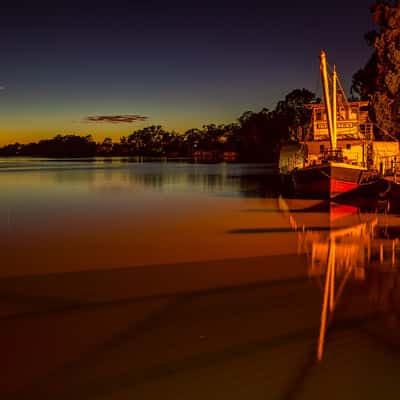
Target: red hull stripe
pixel 329 188
pixel 338 186
pixel 327 180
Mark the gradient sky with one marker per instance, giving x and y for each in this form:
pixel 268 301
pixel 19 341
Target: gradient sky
pixel 181 65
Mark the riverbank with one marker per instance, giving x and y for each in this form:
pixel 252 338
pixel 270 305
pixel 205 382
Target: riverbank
pixel 233 329
pixel 72 334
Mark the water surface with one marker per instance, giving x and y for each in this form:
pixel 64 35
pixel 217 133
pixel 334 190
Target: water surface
pixel 185 281
pixel 61 215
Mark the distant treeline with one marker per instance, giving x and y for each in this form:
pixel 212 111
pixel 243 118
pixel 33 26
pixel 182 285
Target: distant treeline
pixel 255 136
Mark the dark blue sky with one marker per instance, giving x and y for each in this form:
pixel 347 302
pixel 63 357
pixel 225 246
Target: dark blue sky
pixel 180 64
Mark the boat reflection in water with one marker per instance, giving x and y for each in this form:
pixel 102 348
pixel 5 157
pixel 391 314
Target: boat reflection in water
pixel 354 259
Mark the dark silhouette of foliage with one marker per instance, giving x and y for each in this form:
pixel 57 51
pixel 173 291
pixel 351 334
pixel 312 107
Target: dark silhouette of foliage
pixel 293 118
pixel 10 150
pixel 262 133
pixel 364 80
pixel 256 137
pixel 379 80
pixel 154 141
pixel 61 146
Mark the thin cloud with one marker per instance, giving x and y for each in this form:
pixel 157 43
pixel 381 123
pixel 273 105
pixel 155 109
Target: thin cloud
pixel 116 119
pixel 2 88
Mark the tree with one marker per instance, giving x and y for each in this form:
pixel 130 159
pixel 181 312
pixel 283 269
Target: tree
pixel 386 99
pixel 379 80
pixel 193 140
pixel 149 141
pixel 291 116
pixel 364 80
pixel 174 144
pixel 61 146
pixel 105 148
pixel 229 137
pixel 257 140
pixel 261 134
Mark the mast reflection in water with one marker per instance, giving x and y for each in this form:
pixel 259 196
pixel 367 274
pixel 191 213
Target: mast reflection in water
pixel 354 259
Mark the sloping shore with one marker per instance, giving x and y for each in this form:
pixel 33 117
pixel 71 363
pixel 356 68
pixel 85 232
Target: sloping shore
pixel 241 328
pixel 137 325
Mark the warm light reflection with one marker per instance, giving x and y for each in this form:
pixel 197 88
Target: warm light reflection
pixel 75 215
pixel 351 247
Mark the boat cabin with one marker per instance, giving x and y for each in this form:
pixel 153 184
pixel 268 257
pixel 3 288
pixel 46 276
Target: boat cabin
pixel 352 121
pixel 355 139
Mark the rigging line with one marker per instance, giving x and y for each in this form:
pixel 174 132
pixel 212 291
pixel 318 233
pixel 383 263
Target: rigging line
pixel 343 92
pixel 339 81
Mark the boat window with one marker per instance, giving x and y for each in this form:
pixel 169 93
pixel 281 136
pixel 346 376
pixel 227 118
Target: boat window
pixel 321 148
pixel 348 146
pixel 318 116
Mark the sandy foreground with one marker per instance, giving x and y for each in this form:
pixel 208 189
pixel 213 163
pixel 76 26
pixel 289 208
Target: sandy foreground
pixel 238 329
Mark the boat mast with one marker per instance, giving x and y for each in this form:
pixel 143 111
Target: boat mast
pixel 334 112
pixel 328 108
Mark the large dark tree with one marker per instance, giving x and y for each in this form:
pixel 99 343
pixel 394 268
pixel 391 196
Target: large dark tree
pixel 262 133
pixel 292 116
pixel 364 80
pixel 379 80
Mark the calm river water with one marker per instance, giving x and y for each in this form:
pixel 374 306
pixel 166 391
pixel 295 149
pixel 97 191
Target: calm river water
pixel 123 280
pixel 73 215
